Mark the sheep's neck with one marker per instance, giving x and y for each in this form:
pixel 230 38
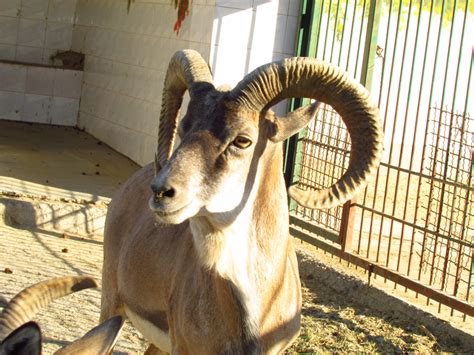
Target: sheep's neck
pixel 257 236
pixel 251 252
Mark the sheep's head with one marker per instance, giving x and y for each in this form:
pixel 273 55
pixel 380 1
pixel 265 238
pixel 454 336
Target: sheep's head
pixel 215 157
pixel 224 132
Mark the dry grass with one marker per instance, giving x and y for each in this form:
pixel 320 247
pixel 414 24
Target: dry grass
pixel 331 322
pixel 348 321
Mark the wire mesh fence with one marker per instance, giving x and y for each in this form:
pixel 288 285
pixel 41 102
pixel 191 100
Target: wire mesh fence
pixel 448 243
pixel 325 156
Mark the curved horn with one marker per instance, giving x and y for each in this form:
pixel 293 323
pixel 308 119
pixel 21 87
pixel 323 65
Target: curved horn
pixel 99 340
pixel 187 70
pixel 28 302
pixel 311 78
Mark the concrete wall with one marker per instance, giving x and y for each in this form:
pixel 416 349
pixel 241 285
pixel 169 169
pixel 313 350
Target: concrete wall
pixel 127 56
pixel 33 30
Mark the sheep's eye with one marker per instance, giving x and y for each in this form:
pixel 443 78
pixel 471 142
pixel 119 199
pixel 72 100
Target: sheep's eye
pixel 242 142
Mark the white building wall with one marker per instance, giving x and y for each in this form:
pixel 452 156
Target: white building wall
pixel 249 33
pixel 33 30
pixel 127 56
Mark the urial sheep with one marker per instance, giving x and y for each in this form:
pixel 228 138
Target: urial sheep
pixel 206 265
pixel 19 335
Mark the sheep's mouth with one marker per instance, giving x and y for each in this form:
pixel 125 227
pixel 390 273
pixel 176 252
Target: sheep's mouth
pixel 169 213
pixel 165 213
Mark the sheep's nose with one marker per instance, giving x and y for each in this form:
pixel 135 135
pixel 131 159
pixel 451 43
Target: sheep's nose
pixel 162 192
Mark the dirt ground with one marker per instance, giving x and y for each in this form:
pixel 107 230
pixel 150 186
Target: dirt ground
pixel 333 320
pixel 28 256
pixel 349 320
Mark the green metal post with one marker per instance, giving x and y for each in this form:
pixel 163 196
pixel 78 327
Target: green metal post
pixel 370 49
pixel 307 42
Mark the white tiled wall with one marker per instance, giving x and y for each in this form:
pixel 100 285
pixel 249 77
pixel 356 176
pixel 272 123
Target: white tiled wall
pixel 33 30
pixel 39 94
pixel 127 55
pixel 126 59
pixel 249 33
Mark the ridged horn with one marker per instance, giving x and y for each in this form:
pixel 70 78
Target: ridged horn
pixel 311 78
pixel 99 340
pixel 24 306
pixel 187 70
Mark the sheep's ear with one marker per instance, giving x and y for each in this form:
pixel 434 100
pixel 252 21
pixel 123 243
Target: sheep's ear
pixel 99 340
pixel 292 123
pixel 23 340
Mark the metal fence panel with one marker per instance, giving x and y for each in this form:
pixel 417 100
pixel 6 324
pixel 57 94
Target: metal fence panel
pixel 416 217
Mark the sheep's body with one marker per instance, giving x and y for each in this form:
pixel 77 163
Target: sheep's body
pixel 206 265
pixel 188 301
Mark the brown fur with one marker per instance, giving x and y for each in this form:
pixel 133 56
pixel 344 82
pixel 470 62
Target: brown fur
pixel 155 271
pixel 219 274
